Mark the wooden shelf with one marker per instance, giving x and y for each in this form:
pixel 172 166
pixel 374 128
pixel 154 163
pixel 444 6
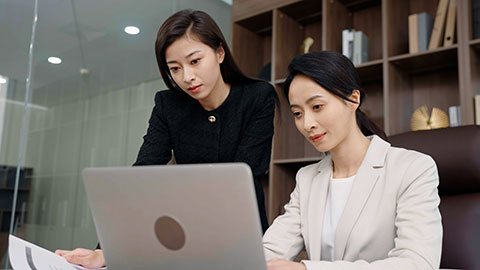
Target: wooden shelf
pixel 253 36
pixel 475 43
pixel 354 5
pixel 360 15
pixel 304 12
pixel 260 24
pixel 292 25
pixel 369 71
pixel 369 64
pixel 426 61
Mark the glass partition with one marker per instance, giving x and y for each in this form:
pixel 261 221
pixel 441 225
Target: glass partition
pixel 92 90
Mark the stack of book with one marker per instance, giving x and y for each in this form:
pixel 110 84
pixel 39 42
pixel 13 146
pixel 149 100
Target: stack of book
pixel 355 46
pixel 426 34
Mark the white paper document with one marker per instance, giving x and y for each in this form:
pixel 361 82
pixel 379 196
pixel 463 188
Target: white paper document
pixel 27 256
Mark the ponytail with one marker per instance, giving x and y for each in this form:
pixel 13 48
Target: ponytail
pixel 367 126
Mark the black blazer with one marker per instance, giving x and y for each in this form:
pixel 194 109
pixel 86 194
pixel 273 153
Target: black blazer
pixel 240 130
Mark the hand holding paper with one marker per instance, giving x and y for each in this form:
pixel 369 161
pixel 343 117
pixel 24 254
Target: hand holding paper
pixel 25 256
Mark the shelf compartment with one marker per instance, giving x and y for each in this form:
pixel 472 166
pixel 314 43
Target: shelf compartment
pixel 290 31
pixel 249 8
pixel 252 43
pixel 260 24
pixel 304 12
pixel 430 60
pixel 408 91
pixel 397 22
pixel 365 16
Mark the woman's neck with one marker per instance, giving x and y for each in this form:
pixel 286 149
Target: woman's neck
pixel 216 97
pixel 348 155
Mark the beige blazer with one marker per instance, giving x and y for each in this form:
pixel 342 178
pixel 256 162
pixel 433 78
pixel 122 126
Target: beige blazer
pixel 391 219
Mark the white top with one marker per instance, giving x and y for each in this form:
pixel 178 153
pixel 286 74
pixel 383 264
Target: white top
pixel 338 192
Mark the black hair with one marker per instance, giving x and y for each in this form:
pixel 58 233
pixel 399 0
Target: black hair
pixel 336 74
pixel 203 27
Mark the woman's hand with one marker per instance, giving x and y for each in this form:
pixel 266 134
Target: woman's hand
pixel 83 257
pixel 280 264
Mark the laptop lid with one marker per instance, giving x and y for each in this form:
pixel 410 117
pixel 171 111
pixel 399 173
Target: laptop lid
pixel 202 216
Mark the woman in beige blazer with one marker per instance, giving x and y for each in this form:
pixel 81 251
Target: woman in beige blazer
pixel 366 204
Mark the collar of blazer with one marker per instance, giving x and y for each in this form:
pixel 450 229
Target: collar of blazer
pixel 365 180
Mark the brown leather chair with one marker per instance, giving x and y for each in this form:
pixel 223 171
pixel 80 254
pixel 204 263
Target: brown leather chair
pixel 457 154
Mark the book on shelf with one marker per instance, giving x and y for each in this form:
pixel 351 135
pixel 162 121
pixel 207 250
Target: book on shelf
pixel 455 116
pixel 347 43
pixel 476 106
pixel 360 48
pixel 419 30
pixel 355 46
pixel 439 25
pixel 450 24
pixel 413 33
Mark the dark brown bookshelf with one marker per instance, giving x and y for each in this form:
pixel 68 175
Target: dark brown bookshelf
pixel 395 81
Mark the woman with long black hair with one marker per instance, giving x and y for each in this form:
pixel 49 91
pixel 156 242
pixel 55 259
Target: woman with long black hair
pixel 210 113
pixel 366 204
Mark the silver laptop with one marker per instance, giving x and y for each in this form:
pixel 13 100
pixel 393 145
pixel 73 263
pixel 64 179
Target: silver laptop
pixel 176 217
